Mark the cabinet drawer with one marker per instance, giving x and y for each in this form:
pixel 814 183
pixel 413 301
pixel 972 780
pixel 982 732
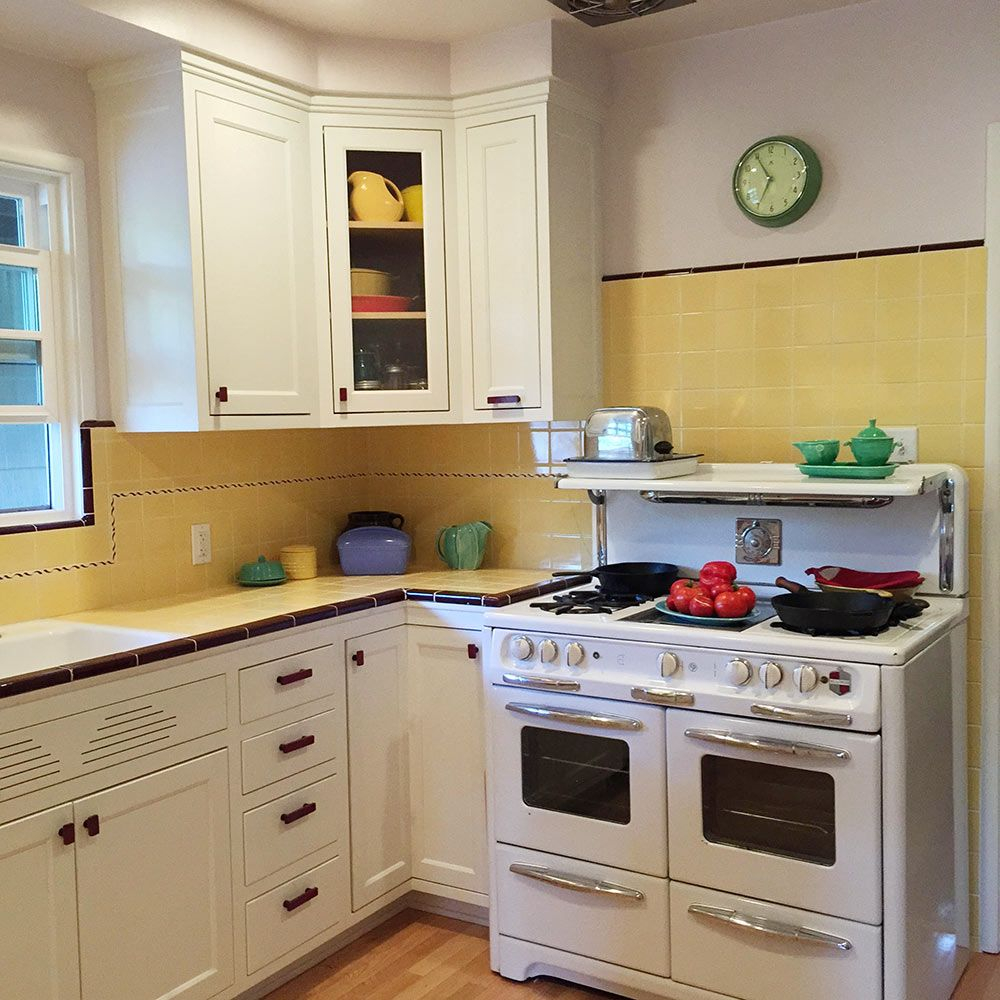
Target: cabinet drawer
pixel 271 687
pixel 292 827
pixel 275 755
pixel 773 960
pixel 52 752
pixel 281 920
pixel 605 913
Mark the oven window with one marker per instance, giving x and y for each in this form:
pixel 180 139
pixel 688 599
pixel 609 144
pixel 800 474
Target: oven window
pixel 575 773
pixel 763 807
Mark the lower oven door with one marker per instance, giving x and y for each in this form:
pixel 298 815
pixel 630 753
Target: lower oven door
pixel 580 777
pixel 785 813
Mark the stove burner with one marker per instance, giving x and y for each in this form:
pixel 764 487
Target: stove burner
pixel 589 602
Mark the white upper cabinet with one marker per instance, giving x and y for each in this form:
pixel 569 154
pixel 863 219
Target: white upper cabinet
pixel 208 241
pixel 388 307
pixel 530 233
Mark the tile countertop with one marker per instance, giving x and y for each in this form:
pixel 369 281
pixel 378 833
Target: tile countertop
pixel 231 614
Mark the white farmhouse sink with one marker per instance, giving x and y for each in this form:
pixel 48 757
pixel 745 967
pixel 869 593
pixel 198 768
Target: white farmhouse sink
pixel 30 646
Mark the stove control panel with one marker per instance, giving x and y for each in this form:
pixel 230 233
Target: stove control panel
pixel 789 689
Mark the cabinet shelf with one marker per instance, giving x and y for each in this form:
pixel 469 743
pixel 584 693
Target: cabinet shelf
pixel 388 315
pixel 385 227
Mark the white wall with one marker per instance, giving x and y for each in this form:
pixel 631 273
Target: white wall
pixel 894 95
pixel 50 107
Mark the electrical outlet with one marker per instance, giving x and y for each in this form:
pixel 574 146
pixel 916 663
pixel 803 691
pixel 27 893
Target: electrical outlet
pixel 201 544
pixel 906 443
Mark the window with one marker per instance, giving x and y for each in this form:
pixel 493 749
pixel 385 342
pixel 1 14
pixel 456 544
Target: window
pixel 39 333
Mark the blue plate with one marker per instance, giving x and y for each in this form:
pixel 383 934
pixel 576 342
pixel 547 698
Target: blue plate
pixel 676 616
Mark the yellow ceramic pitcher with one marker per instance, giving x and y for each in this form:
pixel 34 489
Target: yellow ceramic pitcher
pixel 374 198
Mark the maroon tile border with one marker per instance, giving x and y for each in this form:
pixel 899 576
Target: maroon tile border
pixel 265 626
pixel 166 650
pixel 783 261
pixel 220 637
pixel 34 682
pixel 87 475
pixel 104 665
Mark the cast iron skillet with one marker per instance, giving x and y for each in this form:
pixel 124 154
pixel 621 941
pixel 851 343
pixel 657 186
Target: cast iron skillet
pixel 819 611
pixel 649 579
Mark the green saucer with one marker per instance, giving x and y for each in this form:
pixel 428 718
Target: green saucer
pixel 848 470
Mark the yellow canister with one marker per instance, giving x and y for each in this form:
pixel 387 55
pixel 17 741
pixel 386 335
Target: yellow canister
pixel 413 202
pixel 299 561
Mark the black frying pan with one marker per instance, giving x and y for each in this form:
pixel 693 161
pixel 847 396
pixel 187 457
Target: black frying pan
pixel 823 611
pixel 623 579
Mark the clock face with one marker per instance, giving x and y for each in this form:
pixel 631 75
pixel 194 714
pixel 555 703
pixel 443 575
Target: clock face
pixel 776 181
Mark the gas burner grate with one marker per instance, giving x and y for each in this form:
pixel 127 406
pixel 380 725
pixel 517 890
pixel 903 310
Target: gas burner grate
pixel 589 602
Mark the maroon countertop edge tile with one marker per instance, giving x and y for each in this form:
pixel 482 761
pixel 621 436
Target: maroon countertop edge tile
pixel 183 646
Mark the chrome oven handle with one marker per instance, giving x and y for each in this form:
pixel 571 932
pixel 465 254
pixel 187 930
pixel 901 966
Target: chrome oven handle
pixel 662 696
pixel 547 683
pixel 767 744
pixel 574 718
pixel 765 925
pixel 576 883
pixel 802 715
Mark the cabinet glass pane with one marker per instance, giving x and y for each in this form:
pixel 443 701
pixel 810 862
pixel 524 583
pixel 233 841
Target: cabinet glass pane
pixel 11 221
pixel 25 482
pixel 786 811
pixel 387 270
pixel 18 297
pixel 575 773
pixel 20 373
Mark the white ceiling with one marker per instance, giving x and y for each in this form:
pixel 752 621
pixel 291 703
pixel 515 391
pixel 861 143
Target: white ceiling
pixel 453 20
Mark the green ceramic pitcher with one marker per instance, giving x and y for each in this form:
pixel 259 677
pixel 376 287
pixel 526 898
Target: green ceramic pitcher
pixel 462 546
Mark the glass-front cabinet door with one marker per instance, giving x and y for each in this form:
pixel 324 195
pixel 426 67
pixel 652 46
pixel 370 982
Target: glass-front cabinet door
pixel 385 225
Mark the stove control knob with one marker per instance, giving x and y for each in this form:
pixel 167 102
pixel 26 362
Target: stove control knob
pixel 522 647
pixel 805 678
pixel 548 651
pixel 738 673
pixel 574 654
pixel 669 664
pixel 770 675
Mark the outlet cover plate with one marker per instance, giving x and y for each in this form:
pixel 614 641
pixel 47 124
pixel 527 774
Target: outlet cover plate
pixel 201 544
pixel 907 439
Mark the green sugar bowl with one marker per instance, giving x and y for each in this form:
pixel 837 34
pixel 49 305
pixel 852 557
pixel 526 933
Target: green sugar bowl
pixel 821 452
pixel 871 446
pixel 262 573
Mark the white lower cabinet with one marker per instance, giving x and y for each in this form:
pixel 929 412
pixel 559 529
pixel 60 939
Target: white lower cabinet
pixel 378 762
pixel 281 920
pixel 746 948
pixel 154 884
pixel 447 758
pixel 39 957
pixel 576 906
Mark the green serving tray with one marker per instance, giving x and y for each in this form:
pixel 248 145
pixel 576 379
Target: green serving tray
pixel 848 470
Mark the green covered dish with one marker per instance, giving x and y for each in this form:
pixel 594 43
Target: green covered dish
pixel 262 573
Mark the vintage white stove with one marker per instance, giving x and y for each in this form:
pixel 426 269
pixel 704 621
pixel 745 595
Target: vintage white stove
pixel 698 812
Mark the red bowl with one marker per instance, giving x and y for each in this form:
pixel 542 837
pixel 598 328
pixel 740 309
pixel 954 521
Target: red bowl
pixel 380 303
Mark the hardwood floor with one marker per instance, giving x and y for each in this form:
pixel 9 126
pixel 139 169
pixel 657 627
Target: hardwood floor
pixel 419 956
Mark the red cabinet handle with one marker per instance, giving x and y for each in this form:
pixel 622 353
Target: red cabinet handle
pixel 494 400
pixel 92 824
pixel 306 809
pixel 68 833
pixel 473 650
pixel 298 675
pixel 343 394
pixel 294 904
pixel 300 744
pixel 359 657
pixel 222 394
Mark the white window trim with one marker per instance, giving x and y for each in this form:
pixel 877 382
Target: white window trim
pixel 68 261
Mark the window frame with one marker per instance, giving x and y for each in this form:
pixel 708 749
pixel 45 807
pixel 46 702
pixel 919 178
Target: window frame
pixel 65 316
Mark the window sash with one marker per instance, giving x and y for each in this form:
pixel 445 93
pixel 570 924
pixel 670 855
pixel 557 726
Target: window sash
pixel 49 410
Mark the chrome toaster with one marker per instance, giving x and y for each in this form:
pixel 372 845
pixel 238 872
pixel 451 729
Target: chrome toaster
pixel 628 434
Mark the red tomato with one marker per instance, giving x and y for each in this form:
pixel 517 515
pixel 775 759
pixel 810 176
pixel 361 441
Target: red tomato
pixel 719 568
pixel 682 599
pixel 716 585
pixel 749 596
pixel 731 604
pixel 702 605
pixel 678 585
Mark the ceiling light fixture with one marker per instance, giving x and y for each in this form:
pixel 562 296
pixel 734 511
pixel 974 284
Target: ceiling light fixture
pixel 598 12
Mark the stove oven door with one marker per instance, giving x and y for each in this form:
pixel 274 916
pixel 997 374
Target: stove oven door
pixel 580 777
pixel 784 813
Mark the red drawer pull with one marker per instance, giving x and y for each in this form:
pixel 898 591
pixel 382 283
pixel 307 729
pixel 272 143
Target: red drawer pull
pixel 68 833
pixel 300 744
pixel 306 809
pixel 494 400
pixel 343 394
pixel 359 657
pixel 473 650
pixel 294 904
pixel 298 675
pixel 222 394
pixel 92 824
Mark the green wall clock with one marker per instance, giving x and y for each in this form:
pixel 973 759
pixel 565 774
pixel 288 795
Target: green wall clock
pixel 776 180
